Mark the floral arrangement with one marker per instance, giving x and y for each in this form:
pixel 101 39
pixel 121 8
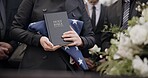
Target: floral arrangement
pixel 126 56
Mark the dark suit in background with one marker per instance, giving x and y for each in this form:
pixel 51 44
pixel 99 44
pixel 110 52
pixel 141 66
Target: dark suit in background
pixel 99 26
pixel 114 16
pixel 100 15
pixel 10 10
pixel 35 57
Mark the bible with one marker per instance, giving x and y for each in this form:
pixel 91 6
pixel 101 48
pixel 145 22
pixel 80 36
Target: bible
pixel 57 24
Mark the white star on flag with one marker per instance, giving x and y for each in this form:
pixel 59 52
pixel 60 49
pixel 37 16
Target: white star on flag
pixel 80 61
pixel 76 48
pixel 33 23
pixel 74 21
pixel 66 47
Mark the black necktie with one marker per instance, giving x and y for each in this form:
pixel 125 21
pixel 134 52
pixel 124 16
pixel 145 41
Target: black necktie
pixel 93 19
pixel 3 19
pixel 126 14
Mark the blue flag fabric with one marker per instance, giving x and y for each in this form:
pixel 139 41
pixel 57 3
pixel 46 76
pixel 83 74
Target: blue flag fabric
pixel 73 51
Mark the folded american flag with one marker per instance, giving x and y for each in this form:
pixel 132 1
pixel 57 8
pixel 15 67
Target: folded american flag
pixel 73 51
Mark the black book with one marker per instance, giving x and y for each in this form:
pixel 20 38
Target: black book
pixel 57 24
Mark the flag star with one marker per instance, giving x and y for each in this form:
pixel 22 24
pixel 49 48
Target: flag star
pixel 74 21
pixel 33 23
pixel 76 48
pixel 80 61
pixel 66 47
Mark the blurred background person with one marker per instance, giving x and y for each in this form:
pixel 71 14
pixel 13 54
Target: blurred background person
pixel 8 8
pixel 96 12
pixel 118 14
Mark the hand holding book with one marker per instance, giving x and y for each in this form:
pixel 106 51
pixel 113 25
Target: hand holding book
pixel 47 45
pixel 73 37
pixel 73 51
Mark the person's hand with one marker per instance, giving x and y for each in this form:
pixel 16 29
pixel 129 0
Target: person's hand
pixel 90 63
pixel 47 45
pixel 7 46
pixel 73 37
pixel 5 49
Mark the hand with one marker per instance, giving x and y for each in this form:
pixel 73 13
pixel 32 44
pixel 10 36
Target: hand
pixel 90 63
pixel 3 53
pixel 7 46
pixel 47 45
pixel 73 37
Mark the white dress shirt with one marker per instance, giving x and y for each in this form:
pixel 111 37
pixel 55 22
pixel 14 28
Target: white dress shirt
pixel 98 10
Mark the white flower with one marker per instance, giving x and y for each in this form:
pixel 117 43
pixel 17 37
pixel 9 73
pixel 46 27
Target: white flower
pixel 141 66
pixel 94 50
pixel 125 41
pixel 146 27
pixel 138 34
pixel 116 56
pixel 126 48
pixel 107 2
pixel 141 20
pixel 123 46
pixel 114 41
pixel 137 63
pixel 138 8
pixel 145 14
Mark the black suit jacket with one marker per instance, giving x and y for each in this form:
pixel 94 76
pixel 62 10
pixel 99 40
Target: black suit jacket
pixel 33 10
pixel 114 17
pixel 99 27
pixel 11 7
pixel 11 10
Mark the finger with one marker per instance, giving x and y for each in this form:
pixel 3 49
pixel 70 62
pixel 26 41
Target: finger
pixel 1 43
pixel 72 44
pixel 71 28
pixel 53 48
pixel 69 39
pixel 90 61
pixel 6 50
pixel 47 47
pixel 68 35
pixel 90 64
pixel 3 55
pixel 56 47
pixel 68 32
pixel 49 43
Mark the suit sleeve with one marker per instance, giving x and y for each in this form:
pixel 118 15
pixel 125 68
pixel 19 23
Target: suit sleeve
pixel 106 36
pixel 20 24
pixel 87 34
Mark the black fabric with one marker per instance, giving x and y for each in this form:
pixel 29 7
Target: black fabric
pixel 10 10
pixel 3 19
pixel 93 19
